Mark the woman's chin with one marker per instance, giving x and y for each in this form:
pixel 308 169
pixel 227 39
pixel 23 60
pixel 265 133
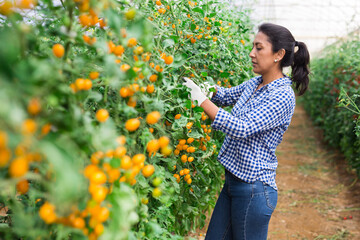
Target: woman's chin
pixel 256 71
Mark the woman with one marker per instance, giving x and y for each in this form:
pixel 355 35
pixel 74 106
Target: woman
pixel 263 107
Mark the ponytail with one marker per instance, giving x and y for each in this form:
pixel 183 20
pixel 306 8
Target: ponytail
pixel 281 38
pixel 300 70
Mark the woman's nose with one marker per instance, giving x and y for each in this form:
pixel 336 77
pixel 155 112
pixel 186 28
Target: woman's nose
pixel 251 54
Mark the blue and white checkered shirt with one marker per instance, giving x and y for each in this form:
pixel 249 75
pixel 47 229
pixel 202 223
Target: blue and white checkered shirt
pixel 254 128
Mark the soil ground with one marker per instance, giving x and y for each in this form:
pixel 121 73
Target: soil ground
pixel 318 197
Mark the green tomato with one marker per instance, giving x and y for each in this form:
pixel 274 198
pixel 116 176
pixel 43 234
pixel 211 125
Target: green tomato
pixel 146 71
pixel 139 63
pixel 66 21
pixel 206 171
pixel 156 181
pixel 53 101
pixel 171 190
pixel 130 15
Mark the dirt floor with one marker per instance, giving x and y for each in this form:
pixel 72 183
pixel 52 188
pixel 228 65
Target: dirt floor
pixel 319 197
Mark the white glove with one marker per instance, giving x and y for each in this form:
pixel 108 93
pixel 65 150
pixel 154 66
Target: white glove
pixel 196 93
pixel 205 88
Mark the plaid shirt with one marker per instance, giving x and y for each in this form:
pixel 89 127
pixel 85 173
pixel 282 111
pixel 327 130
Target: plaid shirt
pixel 254 128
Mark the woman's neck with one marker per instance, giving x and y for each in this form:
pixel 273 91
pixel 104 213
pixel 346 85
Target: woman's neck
pixel 271 76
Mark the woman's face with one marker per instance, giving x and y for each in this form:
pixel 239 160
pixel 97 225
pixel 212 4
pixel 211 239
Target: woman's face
pixel 262 56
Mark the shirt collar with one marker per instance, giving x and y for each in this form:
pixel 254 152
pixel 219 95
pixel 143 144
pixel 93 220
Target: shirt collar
pixel 277 83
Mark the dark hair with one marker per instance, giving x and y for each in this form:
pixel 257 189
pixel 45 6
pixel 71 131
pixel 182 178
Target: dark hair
pixel 281 38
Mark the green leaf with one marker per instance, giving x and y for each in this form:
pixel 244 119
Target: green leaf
pixel 175 38
pixel 69 184
pixel 193 27
pixel 103 137
pixel 222 64
pixel 224 74
pixel 199 10
pixel 178 135
pixel 197 115
pixel 179 60
pixel 212 15
pixel 188 104
pixel 204 74
pixel 195 134
pixel 115 162
pixel 114 20
pixel 210 80
pixel 145 137
pixel 198 109
pixel 168 43
pixel 179 123
pixel 137 30
pixel 96 96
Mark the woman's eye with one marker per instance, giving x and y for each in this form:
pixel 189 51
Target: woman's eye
pixel 258 49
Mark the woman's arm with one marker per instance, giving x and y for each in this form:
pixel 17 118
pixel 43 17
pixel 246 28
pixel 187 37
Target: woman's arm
pixel 210 109
pixel 228 96
pixel 275 111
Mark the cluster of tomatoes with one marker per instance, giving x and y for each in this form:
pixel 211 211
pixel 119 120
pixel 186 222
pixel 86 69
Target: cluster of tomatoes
pixel 8 7
pixel 184 149
pixel 90 220
pixel 22 158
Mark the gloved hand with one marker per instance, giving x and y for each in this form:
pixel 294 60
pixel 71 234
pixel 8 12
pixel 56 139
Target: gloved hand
pixel 196 93
pixel 205 88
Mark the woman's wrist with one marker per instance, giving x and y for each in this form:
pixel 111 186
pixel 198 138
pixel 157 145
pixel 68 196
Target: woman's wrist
pixel 210 109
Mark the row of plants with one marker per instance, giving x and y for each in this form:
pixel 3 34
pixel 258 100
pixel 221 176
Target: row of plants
pixel 333 100
pixel 98 137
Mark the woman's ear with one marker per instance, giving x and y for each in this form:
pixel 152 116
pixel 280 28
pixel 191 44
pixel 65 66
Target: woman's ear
pixel 280 54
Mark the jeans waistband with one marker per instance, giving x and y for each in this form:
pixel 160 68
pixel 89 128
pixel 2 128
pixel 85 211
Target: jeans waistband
pixel 231 175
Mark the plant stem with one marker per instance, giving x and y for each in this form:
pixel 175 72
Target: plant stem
pixel 106 92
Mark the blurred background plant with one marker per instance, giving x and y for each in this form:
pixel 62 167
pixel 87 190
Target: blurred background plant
pixel 98 138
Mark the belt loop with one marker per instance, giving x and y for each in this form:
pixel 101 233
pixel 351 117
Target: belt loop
pixel 252 189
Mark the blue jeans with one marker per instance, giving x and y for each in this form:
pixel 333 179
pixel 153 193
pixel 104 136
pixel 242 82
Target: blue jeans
pixel 242 211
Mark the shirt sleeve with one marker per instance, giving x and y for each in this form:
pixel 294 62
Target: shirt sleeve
pixel 275 111
pixel 228 96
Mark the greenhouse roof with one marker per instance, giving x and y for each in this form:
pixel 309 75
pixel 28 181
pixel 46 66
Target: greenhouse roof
pixel 317 23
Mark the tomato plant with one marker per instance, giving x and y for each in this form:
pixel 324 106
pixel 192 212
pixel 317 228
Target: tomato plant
pixel 98 137
pixel 333 99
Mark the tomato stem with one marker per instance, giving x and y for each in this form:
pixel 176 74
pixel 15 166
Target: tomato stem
pixel 105 93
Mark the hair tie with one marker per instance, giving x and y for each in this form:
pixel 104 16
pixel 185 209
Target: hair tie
pixel 296 43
